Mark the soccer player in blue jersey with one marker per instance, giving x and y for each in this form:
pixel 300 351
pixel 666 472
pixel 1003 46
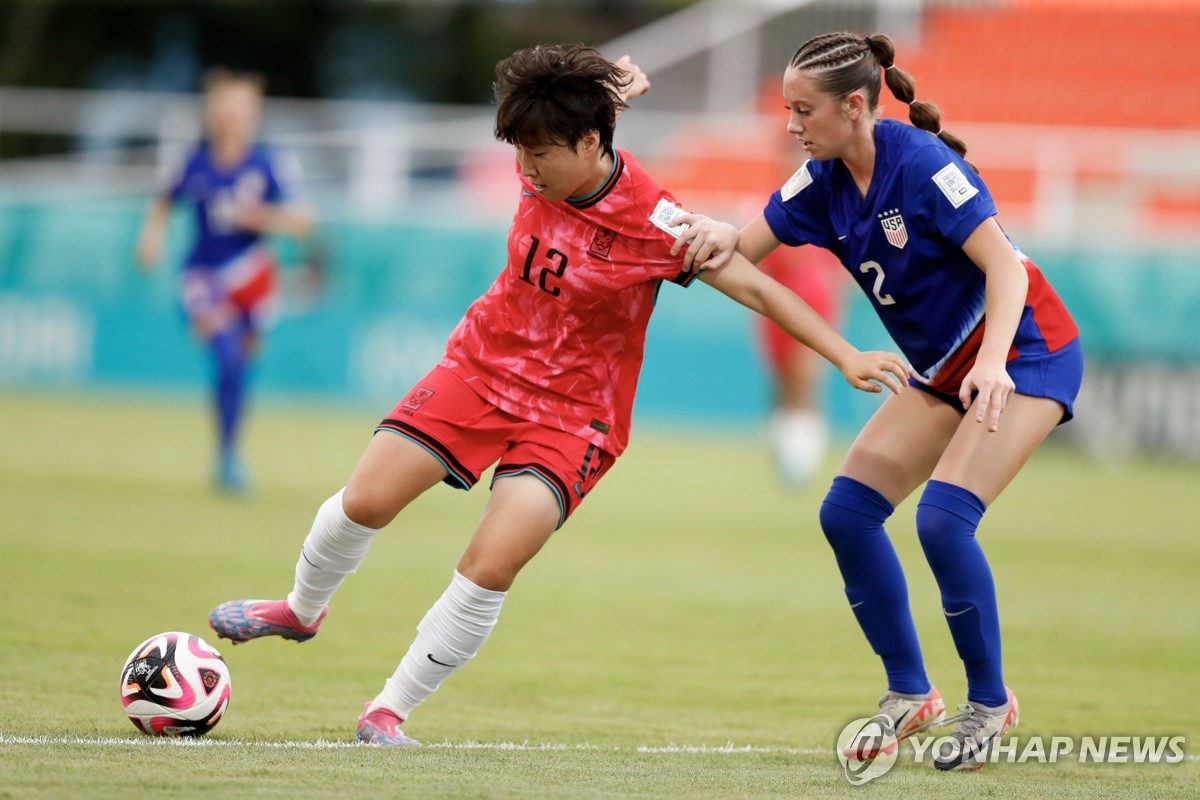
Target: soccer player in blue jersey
pixel 988 340
pixel 240 192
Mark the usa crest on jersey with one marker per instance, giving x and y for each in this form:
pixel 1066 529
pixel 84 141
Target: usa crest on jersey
pixel 893 229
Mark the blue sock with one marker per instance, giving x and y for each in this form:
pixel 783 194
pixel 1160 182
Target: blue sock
pixel 947 517
pixel 229 350
pixel 852 517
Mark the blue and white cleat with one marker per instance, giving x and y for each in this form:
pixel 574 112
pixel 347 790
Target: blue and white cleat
pixel 232 477
pixel 242 620
pixel 381 727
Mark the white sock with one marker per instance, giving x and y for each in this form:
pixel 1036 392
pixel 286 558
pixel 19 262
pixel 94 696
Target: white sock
pixel 333 549
pixel 450 635
pixel 799 439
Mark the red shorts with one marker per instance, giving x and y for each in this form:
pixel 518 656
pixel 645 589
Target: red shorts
pixel 468 434
pixel 816 276
pixel 245 288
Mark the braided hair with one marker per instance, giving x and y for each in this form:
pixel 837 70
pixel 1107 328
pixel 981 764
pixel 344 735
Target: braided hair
pixel 842 62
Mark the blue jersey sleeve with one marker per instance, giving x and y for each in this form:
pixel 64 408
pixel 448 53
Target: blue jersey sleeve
pixel 175 175
pixel 799 212
pixel 285 179
pixel 954 201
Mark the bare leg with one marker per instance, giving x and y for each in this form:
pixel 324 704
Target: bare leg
pixel 391 473
pixel 520 518
pixel 985 463
pixel 899 446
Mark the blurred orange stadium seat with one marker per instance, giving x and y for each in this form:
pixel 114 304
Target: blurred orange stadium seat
pixel 1056 62
pixel 1112 64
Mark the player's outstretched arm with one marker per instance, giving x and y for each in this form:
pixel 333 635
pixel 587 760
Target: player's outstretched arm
pixel 154 230
pixel 295 220
pixel 711 243
pixel 745 283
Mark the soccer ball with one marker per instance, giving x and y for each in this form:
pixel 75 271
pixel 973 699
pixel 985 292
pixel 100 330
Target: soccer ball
pixel 175 684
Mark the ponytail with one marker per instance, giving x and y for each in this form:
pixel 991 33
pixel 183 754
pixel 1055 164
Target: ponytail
pixel 922 114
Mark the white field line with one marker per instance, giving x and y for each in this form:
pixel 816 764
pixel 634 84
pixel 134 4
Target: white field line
pixel 729 748
pixel 323 744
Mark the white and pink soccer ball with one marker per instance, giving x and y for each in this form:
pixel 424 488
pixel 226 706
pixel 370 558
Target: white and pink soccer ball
pixel 175 684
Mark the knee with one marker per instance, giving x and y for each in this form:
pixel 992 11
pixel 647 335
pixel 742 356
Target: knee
pixel 851 511
pixel 934 525
pixel 837 523
pixel 366 506
pixel 939 535
pixel 489 572
pixel 947 514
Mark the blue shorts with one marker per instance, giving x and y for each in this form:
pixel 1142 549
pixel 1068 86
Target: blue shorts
pixel 1056 375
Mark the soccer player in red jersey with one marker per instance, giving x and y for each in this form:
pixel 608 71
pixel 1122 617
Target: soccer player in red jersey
pixel 539 376
pixel 797 431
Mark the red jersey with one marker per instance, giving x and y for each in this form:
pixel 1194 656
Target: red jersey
pixel 559 338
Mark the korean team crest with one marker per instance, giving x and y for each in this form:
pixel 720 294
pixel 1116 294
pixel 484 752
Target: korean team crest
pixel 418 397
pixel 602 242
pixel 893 228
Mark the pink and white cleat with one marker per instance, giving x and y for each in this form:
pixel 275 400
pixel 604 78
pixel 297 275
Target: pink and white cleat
pixel 242 620
pixel 382 727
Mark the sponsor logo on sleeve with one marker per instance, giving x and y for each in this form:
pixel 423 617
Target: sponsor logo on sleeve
pixel 799 180
pixel 954 184
pixel 664 215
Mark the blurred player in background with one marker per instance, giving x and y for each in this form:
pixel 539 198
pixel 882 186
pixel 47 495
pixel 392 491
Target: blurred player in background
pixel 798 431
pixel 540 374
pixel 912 222
pixel 240 191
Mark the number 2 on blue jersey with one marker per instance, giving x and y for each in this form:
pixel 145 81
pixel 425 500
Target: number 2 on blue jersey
pixel 884 299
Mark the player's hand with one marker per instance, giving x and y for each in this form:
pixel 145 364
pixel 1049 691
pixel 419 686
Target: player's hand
pixel 254 217
pixel 710 243
pixel 639 82
pixel 992 386
pixel 871 370
pixel 149 249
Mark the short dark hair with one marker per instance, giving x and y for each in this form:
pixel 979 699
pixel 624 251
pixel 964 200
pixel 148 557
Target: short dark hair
pixel 557 94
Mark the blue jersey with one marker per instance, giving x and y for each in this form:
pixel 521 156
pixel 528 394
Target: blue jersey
pixel 264 176
pixel 903 241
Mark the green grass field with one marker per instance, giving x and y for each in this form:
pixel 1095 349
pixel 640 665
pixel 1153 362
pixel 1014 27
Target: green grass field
pixel 684 636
